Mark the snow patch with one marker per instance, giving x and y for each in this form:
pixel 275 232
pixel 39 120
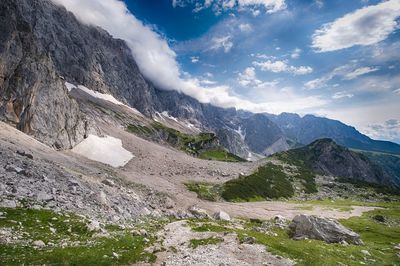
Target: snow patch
pixel 99 95
pixel 106 150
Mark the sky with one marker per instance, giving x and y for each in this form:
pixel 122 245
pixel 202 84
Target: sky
pixel 338 59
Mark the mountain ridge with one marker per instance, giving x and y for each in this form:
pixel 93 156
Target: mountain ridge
pixel 87 55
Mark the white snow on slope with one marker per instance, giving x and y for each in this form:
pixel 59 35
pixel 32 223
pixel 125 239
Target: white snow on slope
pixel 106 150
pixel 99 95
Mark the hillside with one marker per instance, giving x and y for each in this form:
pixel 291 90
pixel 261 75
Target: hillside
pixel 324 156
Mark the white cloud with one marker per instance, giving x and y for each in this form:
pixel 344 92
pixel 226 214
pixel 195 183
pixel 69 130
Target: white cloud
pixel 359 72
pixel 248 77
pixel 397 91
pixel 282 66
pixel 245 27
pixel 270 6
pixel 296 53
pixel 194 59
pixel 365 26
pixel 224 42
pixel 319 3
pixel 346 72
pixel 342 94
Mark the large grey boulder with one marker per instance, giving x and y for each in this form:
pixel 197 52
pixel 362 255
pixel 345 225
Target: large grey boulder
pixel 328 230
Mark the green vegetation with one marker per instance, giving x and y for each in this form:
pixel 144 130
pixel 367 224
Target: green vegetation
pixel 68 241
pixel 304 173
pixel 204 190
pixel 379 238
pixel 348 203
pixel 194 243
pixel 200 145
pixel 268 181
pixel 220 155
pixel 140 130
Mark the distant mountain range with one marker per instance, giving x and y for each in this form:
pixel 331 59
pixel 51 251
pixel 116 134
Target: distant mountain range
pixel 43 46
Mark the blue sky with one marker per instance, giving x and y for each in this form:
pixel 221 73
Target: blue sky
pixel 339 59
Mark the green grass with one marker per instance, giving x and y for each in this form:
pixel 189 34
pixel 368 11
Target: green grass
pixel 348 203
pixel 268 181
pixel 379 239
pixel 304 173
pixel 204 190
pixel 194 243
pixel 220 155
pixel 140 130
pixel 82 246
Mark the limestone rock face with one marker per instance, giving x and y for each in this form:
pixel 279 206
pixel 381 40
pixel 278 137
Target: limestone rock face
pixel 41 47
pixel 328 230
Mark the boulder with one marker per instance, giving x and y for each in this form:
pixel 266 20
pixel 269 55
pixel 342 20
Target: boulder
pixel 221 215
pixel 328 230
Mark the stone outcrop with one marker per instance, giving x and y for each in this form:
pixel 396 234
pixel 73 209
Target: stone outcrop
pixel 328 230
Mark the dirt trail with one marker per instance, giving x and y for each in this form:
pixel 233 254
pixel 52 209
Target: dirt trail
pixel 228 252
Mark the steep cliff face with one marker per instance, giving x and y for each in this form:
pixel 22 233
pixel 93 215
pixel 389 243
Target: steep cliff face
pixel 33 97
pixel 42 46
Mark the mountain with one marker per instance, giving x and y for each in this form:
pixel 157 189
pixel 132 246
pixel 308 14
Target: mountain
pixel 326 157
pixel 306 129
pixel 43 48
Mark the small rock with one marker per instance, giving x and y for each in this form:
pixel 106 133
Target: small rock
pixel 365 252
pixel 143 232
pixel 115 255
pixel 221 215
pixel 249 240
pixel 26 154
pixel 198 213
pixel 102 198
pixel 43 196
pixel 108 182
pixel 16 169
pixel 5 203
pixel 94 225
pixel 39 243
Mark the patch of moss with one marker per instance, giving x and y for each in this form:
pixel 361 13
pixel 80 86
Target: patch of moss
pixel 194 243
pixel 204 190
pixel 268 181
pixel 220 155
pixel 140 130
pixel 81 247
